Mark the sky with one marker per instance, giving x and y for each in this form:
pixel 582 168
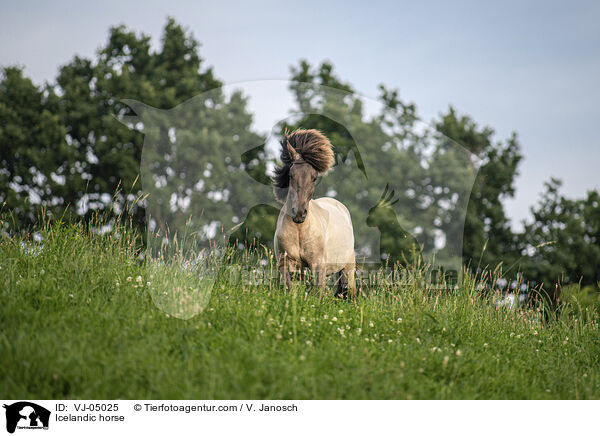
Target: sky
pixel 525 67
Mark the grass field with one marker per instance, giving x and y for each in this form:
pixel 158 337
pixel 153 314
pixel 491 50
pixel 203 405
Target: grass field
pixel 77 322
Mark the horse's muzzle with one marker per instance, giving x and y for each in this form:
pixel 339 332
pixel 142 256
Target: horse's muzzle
pixel 299 216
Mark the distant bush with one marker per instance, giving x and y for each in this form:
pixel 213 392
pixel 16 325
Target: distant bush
pixel 579 301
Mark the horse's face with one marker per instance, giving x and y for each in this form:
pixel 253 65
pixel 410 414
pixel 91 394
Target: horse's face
pixel 302 187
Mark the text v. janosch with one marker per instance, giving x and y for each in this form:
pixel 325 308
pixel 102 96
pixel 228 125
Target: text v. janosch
pixel 278 408
pixel 243 407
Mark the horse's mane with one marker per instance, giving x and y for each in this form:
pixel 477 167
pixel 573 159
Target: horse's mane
pixel 313 147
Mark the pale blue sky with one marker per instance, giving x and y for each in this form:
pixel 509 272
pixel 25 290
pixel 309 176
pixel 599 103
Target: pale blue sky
pixel 529 67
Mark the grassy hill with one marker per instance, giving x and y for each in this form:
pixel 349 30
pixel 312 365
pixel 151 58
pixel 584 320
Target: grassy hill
pixel 78 320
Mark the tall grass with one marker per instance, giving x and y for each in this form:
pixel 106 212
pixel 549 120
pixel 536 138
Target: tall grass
pixel 85 315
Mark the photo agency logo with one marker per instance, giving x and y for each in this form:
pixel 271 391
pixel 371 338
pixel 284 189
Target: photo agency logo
pixel 218 193
pixel 25 415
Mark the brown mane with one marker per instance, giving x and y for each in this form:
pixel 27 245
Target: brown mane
pixel 313 147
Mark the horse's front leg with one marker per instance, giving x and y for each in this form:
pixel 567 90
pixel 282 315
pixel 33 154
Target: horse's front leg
pixel 284 269
pixel 288 279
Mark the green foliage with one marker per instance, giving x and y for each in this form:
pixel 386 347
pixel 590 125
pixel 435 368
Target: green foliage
pixel 488 238
pixel 397 245
pixel 197 163
pixel 109 152
pixel 33 153
pixel 580 302
pixel 70 128
pixel 563 241
pixel 76 322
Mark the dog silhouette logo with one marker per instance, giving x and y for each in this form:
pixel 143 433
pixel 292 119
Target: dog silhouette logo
pixel 26 415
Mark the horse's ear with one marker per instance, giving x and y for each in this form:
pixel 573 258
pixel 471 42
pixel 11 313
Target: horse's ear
pixel 293 153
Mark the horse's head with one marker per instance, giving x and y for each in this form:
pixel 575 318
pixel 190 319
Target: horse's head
pixel 301 186
pixel 382 211
pixel 305 154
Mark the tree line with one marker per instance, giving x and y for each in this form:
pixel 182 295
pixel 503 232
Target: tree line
pixel 64 151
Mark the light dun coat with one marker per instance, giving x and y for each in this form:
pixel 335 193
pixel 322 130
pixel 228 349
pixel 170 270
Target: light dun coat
pixel 315 234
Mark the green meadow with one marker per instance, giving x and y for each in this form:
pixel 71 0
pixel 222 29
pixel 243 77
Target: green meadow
pixel 78 320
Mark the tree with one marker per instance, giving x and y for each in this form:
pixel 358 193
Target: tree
pixel 91 92
pixel 34 156
pixel 64 144
pixel 488 237
pixel 563 241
